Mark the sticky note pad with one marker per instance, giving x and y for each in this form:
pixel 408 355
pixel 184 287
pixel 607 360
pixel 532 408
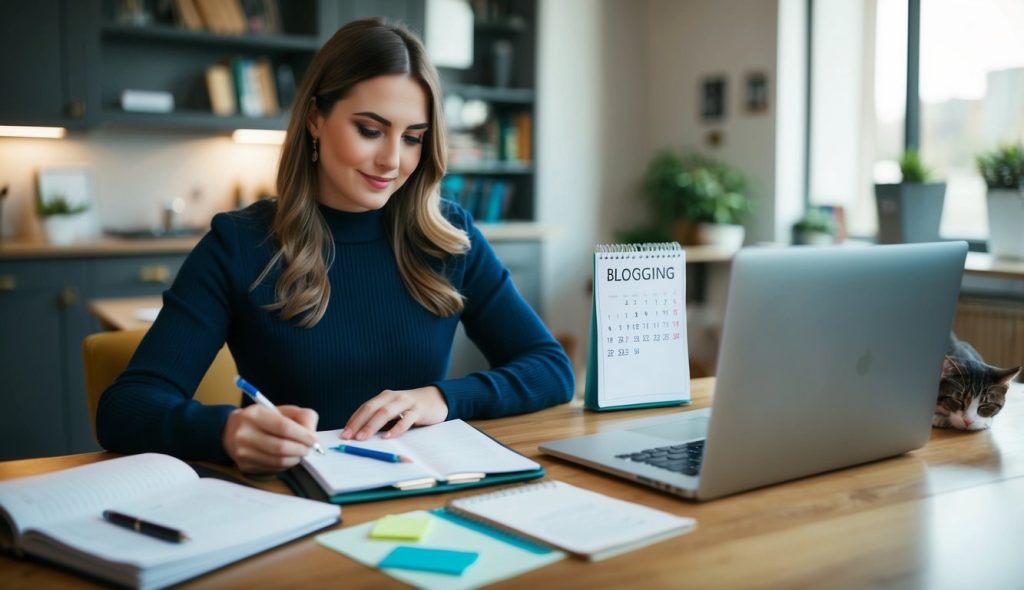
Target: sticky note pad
pixel 441 561
pixel 400 527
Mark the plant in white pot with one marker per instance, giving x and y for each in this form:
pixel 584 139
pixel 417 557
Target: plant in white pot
pixel 1003 171
pixel 815 228
pixel 910 211
pixel 697 200
pixel 61 219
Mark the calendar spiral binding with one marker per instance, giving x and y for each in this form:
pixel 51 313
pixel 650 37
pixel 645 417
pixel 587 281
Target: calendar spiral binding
pixel 647 249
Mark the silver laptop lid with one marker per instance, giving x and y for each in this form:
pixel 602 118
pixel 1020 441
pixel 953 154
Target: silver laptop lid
pixel 830 357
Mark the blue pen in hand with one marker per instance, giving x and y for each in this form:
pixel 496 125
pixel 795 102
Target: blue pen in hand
pixel 371 454
pixel 254 394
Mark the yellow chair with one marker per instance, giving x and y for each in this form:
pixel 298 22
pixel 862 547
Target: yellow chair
pixel 106 354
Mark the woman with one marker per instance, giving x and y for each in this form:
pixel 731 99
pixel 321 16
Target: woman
pixel 339 299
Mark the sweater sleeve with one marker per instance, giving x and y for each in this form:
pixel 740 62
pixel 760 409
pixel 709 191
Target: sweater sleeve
pixel 149 408
pixel 529 369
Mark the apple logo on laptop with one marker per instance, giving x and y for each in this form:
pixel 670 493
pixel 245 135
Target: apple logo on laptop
pixel 864 363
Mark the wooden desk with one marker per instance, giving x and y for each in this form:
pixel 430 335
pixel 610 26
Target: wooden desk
pixel 948 515
pixel 119 313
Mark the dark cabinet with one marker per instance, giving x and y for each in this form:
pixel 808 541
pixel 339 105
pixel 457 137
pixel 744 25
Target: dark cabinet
pixel 43 320
pixel 47 55
pixel 43 315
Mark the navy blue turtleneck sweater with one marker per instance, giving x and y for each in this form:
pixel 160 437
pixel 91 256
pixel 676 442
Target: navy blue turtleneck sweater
pixel 373 336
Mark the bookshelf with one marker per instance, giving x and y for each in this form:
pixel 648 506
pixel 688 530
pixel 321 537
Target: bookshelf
pixel 491 108
pixel 159 53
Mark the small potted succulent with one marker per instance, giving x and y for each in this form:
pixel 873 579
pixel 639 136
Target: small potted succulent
pixel 911 210
pixel 60 217
pixel 697 200
pixel 1003 171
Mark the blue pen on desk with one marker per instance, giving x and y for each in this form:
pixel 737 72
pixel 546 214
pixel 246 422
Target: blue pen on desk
pixel 371 454
pixel 257 397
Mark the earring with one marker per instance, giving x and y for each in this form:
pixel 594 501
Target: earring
pixel 316 156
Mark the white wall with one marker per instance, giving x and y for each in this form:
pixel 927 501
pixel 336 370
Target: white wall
pixel 135 172
pixel 592 143
pixel 688 40
pixel 617 82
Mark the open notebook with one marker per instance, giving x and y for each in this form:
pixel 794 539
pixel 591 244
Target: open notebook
pixel 444 456
pixel 581 522
pixel 58 517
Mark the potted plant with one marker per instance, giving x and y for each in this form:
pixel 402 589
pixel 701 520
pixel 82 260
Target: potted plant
pixel 1003 171
pixel 815 228
pixel 697 200
pixel 60 218
pixel 911 210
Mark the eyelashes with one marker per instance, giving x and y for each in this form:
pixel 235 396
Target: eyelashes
pixel 370 133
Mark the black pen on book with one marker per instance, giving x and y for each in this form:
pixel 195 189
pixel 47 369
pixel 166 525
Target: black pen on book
pixel 146 528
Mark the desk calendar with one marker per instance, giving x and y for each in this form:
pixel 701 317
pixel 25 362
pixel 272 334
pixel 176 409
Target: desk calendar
pixel 638 355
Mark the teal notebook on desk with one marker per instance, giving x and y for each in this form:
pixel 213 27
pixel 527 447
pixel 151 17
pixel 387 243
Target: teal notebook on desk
pixel 500 556
pixel 638 354
pixel 448 456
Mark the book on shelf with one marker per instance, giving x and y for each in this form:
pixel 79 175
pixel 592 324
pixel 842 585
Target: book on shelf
pixel 188 15
pixel 446 456
pixel 524 129
pixel 487 199
pixel 58 517
pixel 221 90
pixel 222 16
pixel 267 86
pixel 582 522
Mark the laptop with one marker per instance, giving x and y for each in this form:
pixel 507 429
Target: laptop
pixel 830 357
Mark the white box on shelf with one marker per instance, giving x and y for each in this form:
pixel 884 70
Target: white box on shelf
pixel 147 101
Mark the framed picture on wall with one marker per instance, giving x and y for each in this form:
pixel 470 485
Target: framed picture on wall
pixel 713 98
pixel 756 100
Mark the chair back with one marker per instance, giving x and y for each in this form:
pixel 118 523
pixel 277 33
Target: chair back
pixel 106 354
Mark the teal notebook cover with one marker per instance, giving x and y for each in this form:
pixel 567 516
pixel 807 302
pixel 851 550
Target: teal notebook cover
pixel 303 484
pixel 591 398
pixel 501 556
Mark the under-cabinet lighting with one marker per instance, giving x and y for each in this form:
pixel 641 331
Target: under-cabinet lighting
pixel 258 136
pixel 43 132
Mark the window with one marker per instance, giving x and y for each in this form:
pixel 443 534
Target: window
pixel 971 98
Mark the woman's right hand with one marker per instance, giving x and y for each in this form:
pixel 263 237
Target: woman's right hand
pixel 260 440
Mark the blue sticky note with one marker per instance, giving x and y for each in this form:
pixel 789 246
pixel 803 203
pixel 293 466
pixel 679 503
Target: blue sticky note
pixel 442 561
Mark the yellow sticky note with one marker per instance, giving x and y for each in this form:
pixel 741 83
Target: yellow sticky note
pixel 400 527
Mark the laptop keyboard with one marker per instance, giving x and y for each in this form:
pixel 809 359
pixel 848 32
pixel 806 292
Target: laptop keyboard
pixel 685 458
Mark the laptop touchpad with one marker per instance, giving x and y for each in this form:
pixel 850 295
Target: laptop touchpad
pixel 678 430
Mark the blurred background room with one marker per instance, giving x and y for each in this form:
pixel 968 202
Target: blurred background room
pixel 125 125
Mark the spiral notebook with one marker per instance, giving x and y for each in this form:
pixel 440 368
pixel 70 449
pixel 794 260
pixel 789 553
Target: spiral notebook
pixel 638 355
pixel 578 521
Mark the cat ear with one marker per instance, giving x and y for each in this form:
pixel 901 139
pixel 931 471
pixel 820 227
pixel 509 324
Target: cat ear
pixel 949 366
pixel 1004 376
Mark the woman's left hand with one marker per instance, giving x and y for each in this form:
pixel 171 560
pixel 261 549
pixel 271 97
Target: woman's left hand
pixel 411 407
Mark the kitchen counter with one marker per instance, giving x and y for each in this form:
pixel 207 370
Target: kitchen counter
pixel 13 248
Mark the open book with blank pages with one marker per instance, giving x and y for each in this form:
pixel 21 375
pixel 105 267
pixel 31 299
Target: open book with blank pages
pixel 58 517
pixel 442 457
pixel 578 521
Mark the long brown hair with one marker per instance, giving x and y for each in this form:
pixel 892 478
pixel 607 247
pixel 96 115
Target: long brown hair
pixel 418 231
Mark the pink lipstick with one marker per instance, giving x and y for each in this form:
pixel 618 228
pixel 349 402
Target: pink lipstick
pixel 377 182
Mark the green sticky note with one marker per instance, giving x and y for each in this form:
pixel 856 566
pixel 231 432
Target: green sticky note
pixel 441 561
pixel 400 527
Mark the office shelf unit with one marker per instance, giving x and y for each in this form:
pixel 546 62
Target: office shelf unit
pixel 496 154
pixel 164 57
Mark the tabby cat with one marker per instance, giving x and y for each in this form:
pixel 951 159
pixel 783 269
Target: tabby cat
pixel 971 392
